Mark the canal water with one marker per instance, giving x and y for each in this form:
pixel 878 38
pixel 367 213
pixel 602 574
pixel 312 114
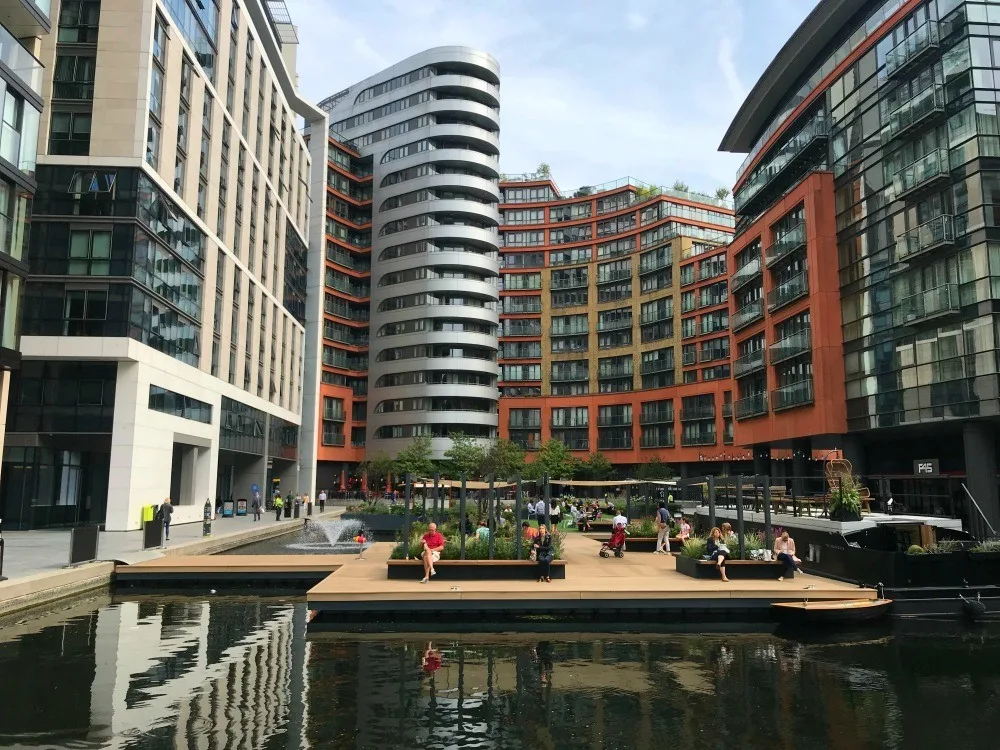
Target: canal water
pixel 244 673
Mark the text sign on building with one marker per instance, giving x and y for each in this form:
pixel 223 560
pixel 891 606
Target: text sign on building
pixel 926 467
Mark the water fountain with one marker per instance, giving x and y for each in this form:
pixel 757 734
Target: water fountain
pixel 333 537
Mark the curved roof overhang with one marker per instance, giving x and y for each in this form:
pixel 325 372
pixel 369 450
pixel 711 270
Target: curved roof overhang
pixel 798 55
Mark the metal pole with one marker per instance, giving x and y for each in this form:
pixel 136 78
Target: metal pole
pixel 406 516
pixel 739 515
pixel 438 505
pixel 461 518
pixel 628 501
pixel 517 516
pixel 491 523
pixel 768 531
pixel 711 502
pixel 547 495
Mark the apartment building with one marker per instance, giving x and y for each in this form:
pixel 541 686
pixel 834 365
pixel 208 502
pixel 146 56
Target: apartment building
pixel 163 326
pixel 615 322
pixel 863 291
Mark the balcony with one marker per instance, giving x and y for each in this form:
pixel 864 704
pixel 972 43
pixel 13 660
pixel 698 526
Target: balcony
pixel 807 146
pixel 658 416
pixel 614 443
pixel 657 441
pixel 577 444
pixel 525 424
pixel 656 365
pixel 751 406
pixel 748 363
pixel 614 325
pixel 921 111
pixel 603 373
pixel 727 409
pixel 559 424
pixel 655 316
pixel 614 276
pixel 655 264
pixel 939 232
pixel 749 313
pixel 571 330
pixel 570 376
pixel 336 440
pixel 927 305
pixel 693 413
pixel 574 282
pixel 699 438
pixel 788 291
pixel 922 174
pixel 334 415
pixel 792 395
pixel 791 346
pixel 614 420
pixel 744 273
pixel 713 355
pixel 689 358
pixel 786 244
pixel 910 52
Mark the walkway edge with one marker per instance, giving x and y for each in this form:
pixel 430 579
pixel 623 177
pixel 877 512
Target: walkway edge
pixel 41 589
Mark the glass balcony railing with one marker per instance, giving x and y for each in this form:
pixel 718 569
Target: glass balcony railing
pixel 21 62
pixel 689 358
pixel 788 242
pixel 751 406
pixel 659 416
pixel 655 316
pixel 570 376
pixel 604 373
pixel 743 274
pixel 748 363
pixel 909 52
pixel 614 420
pixel 692 413
pixel 654 264
pixel 921 108
pixel 749 313
pixel 938 232
pixel 335 439
pixel 570 330
pixel 926 305
pixel 788 291
pixel 657 365
pixel 793 394
pixel 922 172
pixel 525 424
pixel 790 346
pixel 614 443
pixel 657 441
pixel 706 437
pixel 334 415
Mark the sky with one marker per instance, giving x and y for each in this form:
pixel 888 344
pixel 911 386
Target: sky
pixel 597 89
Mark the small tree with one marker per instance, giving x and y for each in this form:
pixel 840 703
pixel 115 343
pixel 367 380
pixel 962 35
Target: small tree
pixel 377 466
pixel 503 459
pixel 654 468
pixel 597 467
pixel 544 171
pixel 722 193
pixel 682 186
pixel 415 458
pixel 465 456
pixel 553 459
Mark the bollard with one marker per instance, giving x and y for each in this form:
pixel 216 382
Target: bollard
pixel 206 527
pixel 309 509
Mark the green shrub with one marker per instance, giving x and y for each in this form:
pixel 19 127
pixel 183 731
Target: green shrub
pixel 643 527
pixel 915 549
pixel 695 547
pixel 505 545
pixel 846 498
pixel 945 546
pixel 990 545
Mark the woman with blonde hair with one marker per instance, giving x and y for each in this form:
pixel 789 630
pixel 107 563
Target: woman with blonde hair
pixel 718 551
pixel 543 553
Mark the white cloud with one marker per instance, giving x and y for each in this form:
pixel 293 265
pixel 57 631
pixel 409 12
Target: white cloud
pixel 728 68
pixel 634 20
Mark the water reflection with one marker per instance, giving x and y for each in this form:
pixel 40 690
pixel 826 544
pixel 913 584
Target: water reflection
pixel 234 673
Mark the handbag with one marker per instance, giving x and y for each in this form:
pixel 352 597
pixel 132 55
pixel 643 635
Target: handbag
pixel 545 556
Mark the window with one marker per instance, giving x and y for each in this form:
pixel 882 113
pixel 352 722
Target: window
pixel 73 77
pixel 153 143
pixel 182 129
pixel 69 134
pixel 89 252
pixel 84 312
pixel 78 20
pixel 186 79
pixel 156 91
pixel 160 41
pixel 178 405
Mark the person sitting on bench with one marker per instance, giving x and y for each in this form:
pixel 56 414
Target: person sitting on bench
pixel 718 551
pixel 784 551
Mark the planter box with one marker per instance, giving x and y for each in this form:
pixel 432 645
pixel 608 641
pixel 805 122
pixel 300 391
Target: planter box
pixel 946 569
pixel 474 570
pixel 735 569
pixel 983 568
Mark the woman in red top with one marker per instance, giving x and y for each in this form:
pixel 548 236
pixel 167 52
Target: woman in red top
pixel 433 545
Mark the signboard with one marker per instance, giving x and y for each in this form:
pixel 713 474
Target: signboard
pixel 228 506
pixel 926 467
pixel 241 506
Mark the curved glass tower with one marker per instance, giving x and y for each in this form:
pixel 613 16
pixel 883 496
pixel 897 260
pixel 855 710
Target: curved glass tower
pixel 430 125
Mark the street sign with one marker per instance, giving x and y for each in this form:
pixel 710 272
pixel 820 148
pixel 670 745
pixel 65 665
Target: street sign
pixel 926 467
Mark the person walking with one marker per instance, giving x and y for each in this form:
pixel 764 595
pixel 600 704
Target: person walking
pixel 255 506
pixel 279 503
pixel 663 532
pixel 544 554
pixel 322 500
pixel 166 513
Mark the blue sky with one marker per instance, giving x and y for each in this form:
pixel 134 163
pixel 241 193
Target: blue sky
pixel 598 89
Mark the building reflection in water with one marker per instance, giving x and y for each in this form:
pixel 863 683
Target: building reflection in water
pixel 230 673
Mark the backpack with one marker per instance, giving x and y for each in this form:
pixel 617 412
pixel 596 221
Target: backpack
pixel 159 513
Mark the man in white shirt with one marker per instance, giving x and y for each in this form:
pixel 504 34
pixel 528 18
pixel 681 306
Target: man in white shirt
pixel 540 509
pixel 618 519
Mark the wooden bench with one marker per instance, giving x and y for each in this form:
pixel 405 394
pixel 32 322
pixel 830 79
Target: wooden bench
pixel 735 569
pixel 639 543
pixel 474 570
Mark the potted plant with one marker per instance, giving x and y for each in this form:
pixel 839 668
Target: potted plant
pixel 940 564
pixel 845 501
pixel 984 563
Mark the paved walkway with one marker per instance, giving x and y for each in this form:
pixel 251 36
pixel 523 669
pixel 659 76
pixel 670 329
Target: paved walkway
pixel 31 552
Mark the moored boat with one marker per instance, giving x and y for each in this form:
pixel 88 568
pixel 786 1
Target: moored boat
pixel 828 612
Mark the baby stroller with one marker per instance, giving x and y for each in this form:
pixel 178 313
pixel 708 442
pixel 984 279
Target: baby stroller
pixel 616 544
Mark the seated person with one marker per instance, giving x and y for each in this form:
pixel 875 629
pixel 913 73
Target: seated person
pixel 718 551
pixel 528 531
pixel 433 546
pixel 684 530
pixel 784 551
pixel 483 531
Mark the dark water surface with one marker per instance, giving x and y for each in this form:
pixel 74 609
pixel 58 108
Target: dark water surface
pixel 243 673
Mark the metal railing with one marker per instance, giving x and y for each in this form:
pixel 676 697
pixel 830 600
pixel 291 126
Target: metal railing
pixel 749 313
pixel 931 234
pixel 930 303
pixel 793 394
pixel 790 346
pixel 788 242
pixel 749 363
pixel 745 273
pixel 788 291
pixel 922 40
pixel 751 406
pixel 924 170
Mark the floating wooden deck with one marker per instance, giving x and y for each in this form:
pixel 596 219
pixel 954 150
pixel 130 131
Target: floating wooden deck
pixel 244 571
pixel 639 582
